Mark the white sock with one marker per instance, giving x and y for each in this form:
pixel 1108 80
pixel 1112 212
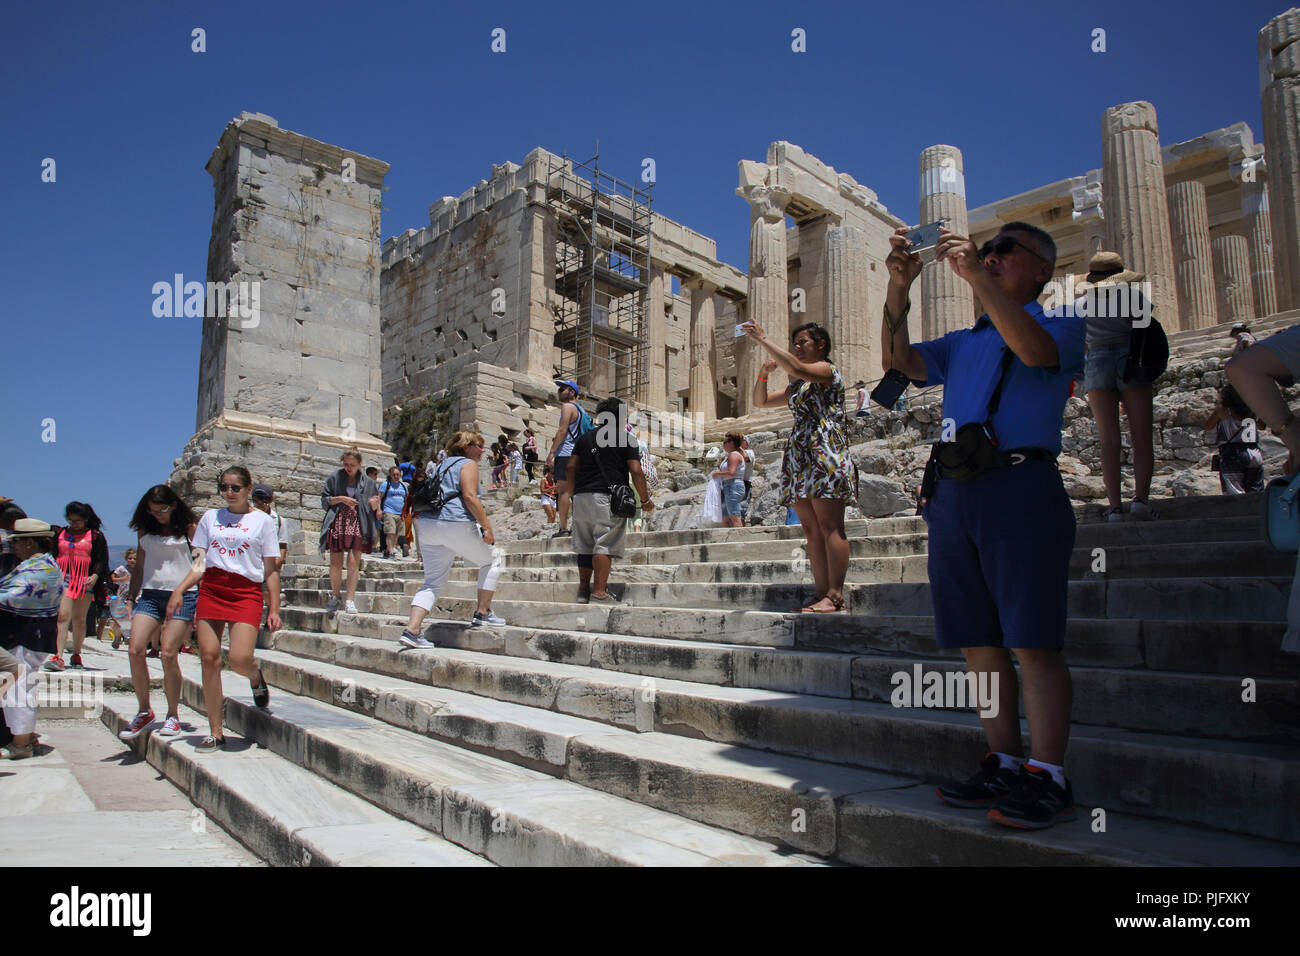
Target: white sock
pixel 1008 762
pixel 1057 771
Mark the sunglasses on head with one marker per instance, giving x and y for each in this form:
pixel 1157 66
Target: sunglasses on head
pixel 1003 246
pixel 223 488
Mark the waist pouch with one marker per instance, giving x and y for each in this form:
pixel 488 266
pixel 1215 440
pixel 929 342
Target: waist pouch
pixel 970 454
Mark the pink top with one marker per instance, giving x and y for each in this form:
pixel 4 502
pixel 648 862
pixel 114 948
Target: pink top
pixel 74 561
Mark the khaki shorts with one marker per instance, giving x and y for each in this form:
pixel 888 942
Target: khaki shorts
pixel 595 530
pixel 393 524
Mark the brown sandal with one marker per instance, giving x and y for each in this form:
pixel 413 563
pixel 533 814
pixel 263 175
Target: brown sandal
pixel 837 605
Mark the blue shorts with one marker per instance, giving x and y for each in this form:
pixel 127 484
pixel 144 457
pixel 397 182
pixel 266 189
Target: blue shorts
pixel 152 602
pixel 733 497
pixel 1103 368
pixel 999 560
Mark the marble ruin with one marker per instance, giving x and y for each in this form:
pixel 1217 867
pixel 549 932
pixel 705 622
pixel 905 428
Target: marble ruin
pixel 550 269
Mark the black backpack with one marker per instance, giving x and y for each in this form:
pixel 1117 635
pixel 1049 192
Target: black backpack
pixel 429 496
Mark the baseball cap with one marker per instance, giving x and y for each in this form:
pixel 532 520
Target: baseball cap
pixel 262 491
pixel 569 382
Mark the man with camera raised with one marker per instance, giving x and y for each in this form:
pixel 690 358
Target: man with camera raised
pixel 1001 526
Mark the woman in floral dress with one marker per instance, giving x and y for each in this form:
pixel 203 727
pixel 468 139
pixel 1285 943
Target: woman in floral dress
pixel 817 474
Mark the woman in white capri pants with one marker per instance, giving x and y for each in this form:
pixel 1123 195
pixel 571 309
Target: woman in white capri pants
pixel 453 531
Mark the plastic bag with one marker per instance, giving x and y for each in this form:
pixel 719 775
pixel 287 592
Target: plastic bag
pixel 711 513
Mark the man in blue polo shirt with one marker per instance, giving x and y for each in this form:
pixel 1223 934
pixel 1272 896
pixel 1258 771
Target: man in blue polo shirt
pixel 1000 542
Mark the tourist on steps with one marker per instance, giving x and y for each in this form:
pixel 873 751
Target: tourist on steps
pixel 817 474
pixel 733 484
pixel 605 455
pixel 548 494
pixel 30 604
pixel 83 558
pixel 450 531
pixel 164 526
pixel 349 528
pixel 572 419
pixel 1256 374
pixel 240 551
pixel 392 495
pixel 1001 526
pixel 1240 462
pixel 1108 342
pixel 530 453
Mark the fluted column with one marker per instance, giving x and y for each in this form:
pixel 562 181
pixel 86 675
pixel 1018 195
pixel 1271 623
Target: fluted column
pixel 1232 279
pixel 854 350
pixel 657 339
pixel 1189 225
pixel 704 378
pixel 947 302
pixel 768 300
pixel 1137 215
pixel 1279 76
pixel 1254 214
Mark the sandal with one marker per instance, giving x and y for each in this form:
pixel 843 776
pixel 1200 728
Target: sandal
pixel 837 605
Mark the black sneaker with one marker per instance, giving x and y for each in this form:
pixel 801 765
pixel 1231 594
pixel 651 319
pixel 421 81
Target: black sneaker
pixel 1036 803
pixel 992 783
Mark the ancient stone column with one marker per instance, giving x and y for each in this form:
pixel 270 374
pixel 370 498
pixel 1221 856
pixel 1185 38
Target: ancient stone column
pixel 768 300
pixel 1137 217
pixel 1254 214
pixel 854 349
pixel 1088 214
pixel 656 339
pixel 1232 279
pixel 1279 77
pixel 948 303
pixel 1189 225
pixel 704 377
pixel 284 391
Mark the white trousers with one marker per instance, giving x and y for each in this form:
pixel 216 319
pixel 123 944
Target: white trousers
pixel 19 703
pixel 440 543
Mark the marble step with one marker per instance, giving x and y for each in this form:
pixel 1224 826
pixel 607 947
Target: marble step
pixel 855 816
pixel 284 813
pixel 1244 787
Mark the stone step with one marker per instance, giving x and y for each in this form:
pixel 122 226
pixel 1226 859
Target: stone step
pixel 478 805
pixel 1213 598
pixel 1243 787
pixel 286 815
pixel 1198 705
pixel 1200 646
pixel 856 816
pixel 1191 559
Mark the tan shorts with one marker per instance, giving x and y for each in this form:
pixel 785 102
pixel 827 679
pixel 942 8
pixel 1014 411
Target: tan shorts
pixel 393 524
pixel 595 530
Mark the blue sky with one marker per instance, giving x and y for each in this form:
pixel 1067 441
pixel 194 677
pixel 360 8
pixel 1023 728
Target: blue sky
pixel 114 94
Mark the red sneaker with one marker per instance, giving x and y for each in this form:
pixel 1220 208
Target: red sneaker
pixel 137 725
pixel 55 663
pixel 75 662
pixel 186 649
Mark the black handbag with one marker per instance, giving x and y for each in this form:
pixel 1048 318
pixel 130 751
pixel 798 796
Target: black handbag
pixel 622 502
pixel 975 448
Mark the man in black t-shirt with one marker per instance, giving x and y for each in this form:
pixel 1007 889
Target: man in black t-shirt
pixel 597 534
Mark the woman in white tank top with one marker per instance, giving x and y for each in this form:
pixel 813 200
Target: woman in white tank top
pixel 165 525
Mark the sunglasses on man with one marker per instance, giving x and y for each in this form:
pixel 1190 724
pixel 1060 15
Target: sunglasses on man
pixel 1003 246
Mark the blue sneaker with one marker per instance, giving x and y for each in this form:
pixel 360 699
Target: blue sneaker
pixel 487 619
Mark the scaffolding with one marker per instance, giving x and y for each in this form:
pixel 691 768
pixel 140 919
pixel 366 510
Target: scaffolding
pixel 602 268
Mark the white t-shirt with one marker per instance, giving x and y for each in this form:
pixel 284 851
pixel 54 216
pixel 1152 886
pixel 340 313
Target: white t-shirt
pixel 281 531
pixel 167 561
pixel 747 466
pixel 237 543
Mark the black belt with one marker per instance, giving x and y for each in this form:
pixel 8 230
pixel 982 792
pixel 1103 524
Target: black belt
pixel 1017 456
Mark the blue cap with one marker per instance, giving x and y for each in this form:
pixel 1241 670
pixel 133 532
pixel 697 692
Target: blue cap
pixel 573 385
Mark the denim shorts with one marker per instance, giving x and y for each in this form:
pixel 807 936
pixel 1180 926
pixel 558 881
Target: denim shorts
pixel 733 497
pixel 1103 369
pixel 152 602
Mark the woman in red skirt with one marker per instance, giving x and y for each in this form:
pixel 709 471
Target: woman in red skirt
pixel 237 541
